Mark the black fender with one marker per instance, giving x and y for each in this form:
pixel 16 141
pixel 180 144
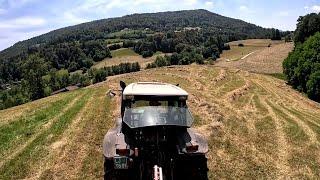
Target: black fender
pixel 114 139
pixel 190 137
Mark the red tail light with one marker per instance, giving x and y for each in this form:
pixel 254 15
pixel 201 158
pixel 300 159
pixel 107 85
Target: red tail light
pixel 136 152
pixel 123 152
pixel 192 148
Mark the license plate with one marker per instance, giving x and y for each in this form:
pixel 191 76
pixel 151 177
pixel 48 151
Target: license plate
pixel 120 162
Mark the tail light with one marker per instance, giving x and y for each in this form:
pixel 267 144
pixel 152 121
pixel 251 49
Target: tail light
pixel 123 152
pixel 136 152
pixel 192 148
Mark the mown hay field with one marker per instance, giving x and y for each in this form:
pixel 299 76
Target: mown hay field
pixel 125 55
pixel 256 126
pixel 256 56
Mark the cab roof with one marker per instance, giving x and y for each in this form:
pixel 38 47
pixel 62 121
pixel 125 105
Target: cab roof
pixel 154 89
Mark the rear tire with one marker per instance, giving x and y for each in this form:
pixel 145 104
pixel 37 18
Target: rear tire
pixel 192 167
pixel 109 171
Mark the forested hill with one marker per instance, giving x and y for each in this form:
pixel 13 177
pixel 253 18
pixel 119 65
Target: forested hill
pixel 35 68
pixel 157 22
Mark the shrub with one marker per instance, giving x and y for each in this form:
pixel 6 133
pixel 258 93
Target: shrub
pixel 212 51
pixel 288 38
pixel 211 61
pixel 146 54
pixel 226 46
pixel 313 86
pixel 161 61
pixel 128 43
pixel 151 65
pixel 198 59
pixel 114 46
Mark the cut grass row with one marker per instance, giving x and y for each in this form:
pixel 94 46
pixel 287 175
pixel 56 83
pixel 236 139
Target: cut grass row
pixel 265 138
pixel 234 157
pixel 303 155
pixel 311 121
pixel 232 82
pixel 17 132
pixel 20 166
pixel 80 153
pixel 295 133
pixel 239 151
pixel 28 109
pixel 101 121
pixel 264 142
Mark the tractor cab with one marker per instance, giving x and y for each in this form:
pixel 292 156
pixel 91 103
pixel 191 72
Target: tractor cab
pixel 155 104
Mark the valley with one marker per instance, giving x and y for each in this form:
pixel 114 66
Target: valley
pixel 256 126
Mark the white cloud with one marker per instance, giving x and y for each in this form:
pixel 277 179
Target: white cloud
pixel 312 9
pixel 116 4
pixel 29 21
pixel 245 9
pixel 315 8
pixel 93 8
pixel 9 37
pixel 191 2
pixel 72 19
pixel 209 4
pixel 22 22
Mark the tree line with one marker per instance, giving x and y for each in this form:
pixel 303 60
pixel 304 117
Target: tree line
pixel 40 84
pixel 302 66
pixel 181 42
pixel 72 56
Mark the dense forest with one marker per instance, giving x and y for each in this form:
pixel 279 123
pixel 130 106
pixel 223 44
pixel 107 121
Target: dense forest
pixel 192 36
pixel 302 67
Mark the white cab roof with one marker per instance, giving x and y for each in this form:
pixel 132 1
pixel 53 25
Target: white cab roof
pixel 154 88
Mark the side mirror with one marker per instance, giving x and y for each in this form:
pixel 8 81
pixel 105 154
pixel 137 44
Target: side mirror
pixel 123 85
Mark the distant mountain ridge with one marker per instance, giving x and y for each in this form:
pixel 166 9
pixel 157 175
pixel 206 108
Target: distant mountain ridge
pixel 158 22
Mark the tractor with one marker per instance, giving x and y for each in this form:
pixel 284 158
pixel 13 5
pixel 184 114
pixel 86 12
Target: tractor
pixel 153 138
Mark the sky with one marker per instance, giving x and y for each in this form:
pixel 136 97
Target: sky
pixel 23 19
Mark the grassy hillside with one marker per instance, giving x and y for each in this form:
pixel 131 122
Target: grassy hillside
pixel 257 127
pixel 125 55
